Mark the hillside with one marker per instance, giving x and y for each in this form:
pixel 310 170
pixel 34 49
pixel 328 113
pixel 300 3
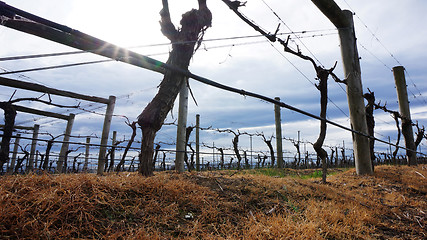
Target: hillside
pixel 216 205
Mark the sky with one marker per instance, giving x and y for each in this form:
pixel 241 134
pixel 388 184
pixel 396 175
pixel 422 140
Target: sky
pixel 389 33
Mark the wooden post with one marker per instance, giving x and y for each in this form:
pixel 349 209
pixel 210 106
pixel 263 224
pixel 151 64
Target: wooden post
pixel 343 20
pixel 251 147
pixel 278 119
pixel 65 144
pixel 343 160
pixel 336 157
pixel 355 99
pixel 299 150
pixel 198 142
pixel 40 88
pixel 43 89
pixel 19 127
pixel 14 154
pixel 41 113
pixel 213 152
pixel 86 164
pixel 181 129
pixel 33 148
pixel 405 113
pixel 105 132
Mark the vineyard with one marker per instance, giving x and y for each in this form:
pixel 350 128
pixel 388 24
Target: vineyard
pixel 66 152
pixel 83 156
pixel 114 144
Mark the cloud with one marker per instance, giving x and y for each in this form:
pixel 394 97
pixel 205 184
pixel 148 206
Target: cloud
pixel 249 65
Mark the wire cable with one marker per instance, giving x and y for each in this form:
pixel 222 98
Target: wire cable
pixel 292 32
pixel 163 44
pixel 55 67
pixel 112 60
pixel 312 54
pixel 305 76
pixel 388 51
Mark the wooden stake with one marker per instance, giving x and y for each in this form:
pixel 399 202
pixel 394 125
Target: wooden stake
pixel 278 134
pixel 33 148
pixel 113 152
pixel 19 127
pixel 40 112
pixel 355 99
pixel 85 166
pixel 405 113
pixel 299 151
pixel 181 129
pixel 14 154
pixel 197 142
pixel 65 143
pixel 43 89
pixel 105 133
pixel 343 20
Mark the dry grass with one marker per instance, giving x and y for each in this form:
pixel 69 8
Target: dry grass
pixel 215 205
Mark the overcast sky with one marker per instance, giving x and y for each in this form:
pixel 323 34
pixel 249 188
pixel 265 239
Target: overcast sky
pixel 389 32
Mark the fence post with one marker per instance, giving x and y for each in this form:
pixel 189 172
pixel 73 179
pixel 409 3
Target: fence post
pixel 105 132
pixel 343 160
pixel 343 21
pixel 405 113
pixel 65 143
pixel 213 153
pixel 85 166
pixel 355 99
pixel 278 119
pixel 181 129
pixel 198 142
pixel 251 147
pixel 33 148
pixel 336 156
pixel 14 154
pixel 299 150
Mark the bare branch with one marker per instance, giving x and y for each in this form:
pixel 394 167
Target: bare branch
pixel 167 27
pixel 269 145
pixel 13 94
pixel 191 93
pixel 297 53
pixel 234 5
pixel 384 108
pixel 215 147
pixel 132 138
pixel 396 119
pixel 419 134
pixel 337 79
pixel 208 128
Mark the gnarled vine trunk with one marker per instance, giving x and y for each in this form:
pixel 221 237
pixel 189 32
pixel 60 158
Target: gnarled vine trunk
pixel 9 122
pixel 235 142
pixel 323 88
pixel 132 138
pixel 370 121
pixel 184 40
pixel 395 116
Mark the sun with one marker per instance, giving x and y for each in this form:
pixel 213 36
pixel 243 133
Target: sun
pixel 127 23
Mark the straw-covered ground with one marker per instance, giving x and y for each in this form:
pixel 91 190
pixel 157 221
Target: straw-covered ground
pixel 391 204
